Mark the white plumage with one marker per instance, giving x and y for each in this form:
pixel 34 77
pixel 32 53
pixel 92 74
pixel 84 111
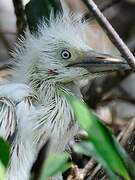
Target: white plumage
pixel 32 107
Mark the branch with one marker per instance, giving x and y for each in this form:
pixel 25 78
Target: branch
pixel 129 130
pixel 20 16
pixel 89 167
pixel 112 34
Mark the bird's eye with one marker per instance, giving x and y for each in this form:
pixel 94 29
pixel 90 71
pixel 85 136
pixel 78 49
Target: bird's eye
pixel 65 54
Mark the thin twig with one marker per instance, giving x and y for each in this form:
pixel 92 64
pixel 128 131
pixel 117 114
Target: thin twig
pixel 80 174
pixel 75 173
pixel 89 167
pixel 20 16
pixel 128 132
pixel 96 170
pixel 112 34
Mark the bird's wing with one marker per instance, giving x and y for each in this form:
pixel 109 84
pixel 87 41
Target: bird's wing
pixel 19 114
pixel 7 117
pixel 10 96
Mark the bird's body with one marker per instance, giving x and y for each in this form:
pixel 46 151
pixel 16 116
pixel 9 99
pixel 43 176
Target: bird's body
pixel 37 120
pixel 33 108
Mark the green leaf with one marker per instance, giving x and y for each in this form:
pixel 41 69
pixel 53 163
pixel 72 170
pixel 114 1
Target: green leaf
pixel 88 149
pixel 128 161
pixel 4 152
pixel 100 136
pixel 2 172
pixel 54 164
pixel 37 9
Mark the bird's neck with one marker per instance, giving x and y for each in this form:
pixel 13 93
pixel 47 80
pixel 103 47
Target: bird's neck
pixel 58 115
pixel 49 92
pixel 46 87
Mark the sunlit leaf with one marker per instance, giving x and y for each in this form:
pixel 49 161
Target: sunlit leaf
pixel 4 152
pixel 100 136
pixel 2 171
pixel 54 164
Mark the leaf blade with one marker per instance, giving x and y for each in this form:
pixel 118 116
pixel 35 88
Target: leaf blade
pixel 4 152
pixel 55 164
pixel 98 135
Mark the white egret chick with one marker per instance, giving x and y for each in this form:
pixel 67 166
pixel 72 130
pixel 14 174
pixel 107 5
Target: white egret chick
pixel 32 109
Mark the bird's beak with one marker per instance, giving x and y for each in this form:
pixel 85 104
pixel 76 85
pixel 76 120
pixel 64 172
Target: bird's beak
pixel 96 62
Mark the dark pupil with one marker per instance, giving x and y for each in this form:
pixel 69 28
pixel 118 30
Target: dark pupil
pixel 65 54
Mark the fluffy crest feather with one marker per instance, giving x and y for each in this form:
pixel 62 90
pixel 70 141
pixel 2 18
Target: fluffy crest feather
pixel 59 31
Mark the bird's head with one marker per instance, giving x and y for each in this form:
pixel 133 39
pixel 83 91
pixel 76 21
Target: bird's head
pixel 60 54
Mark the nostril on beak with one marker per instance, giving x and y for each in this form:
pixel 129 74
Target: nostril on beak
pixel 53 71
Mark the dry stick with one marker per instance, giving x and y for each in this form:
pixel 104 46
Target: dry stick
pixel 93 174
pixel 112 34
pixel 128 133
pixel 20 16
pixel 89 167
pixel 75 173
